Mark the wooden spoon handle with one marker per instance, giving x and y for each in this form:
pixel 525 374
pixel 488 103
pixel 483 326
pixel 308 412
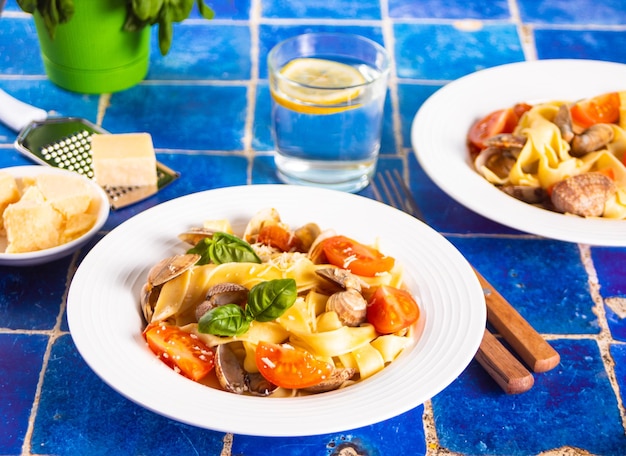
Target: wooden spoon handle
pixel 527 343
pixel 502 366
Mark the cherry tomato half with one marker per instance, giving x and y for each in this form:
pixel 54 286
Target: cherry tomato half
pixel 392 309
pixel 278 237
pixel 500 121
pixel 360 259
pixel 181 351
pixel 600 109
pixel 290 367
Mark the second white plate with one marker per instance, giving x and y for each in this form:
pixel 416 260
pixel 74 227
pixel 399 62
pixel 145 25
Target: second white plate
pixel 440 127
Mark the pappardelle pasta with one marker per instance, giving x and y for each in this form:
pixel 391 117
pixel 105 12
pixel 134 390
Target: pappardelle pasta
pixel 567 157
pixel 278 311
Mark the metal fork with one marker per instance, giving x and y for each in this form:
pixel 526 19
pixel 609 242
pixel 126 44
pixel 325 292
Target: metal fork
pixel 390 188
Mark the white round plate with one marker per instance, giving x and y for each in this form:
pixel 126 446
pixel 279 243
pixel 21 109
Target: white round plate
pixel 53 253
pixel 440 129
pixel 106 323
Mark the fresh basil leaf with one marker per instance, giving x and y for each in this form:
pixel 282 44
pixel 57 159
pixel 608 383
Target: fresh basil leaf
pixel 226 248
pixel 269 300
pixel 227 320
pixel 202 249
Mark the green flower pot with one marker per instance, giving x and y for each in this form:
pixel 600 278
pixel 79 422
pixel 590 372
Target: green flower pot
pixel 91 53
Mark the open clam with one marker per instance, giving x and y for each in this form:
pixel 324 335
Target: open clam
pixel 220 295
pixel 234 378
pixel 338 377
pixel 584 194
pixel 500 155
pixel 348 303
pixel 162 272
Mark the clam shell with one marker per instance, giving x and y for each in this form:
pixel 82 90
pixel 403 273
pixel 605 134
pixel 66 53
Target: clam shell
pixel 584 194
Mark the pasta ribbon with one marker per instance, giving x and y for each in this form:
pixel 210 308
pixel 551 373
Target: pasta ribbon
pixel 336 342
pixel 545 158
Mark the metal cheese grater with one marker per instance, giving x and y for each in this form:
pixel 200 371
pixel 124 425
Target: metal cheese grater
pixel 65 142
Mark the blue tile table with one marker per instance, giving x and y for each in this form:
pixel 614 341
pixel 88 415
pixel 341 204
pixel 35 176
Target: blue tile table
pixel 207 107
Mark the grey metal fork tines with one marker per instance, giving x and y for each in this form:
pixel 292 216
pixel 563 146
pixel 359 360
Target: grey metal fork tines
pixel 389 188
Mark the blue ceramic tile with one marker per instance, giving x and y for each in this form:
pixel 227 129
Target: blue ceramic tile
pixel 31 297
pixel 526 273
pixel 442 212
pixel 445 52
pixel 47 96
pixel 10 157
pixel 581 44
pixel 618 352
pixel 270 35
pixel 607 263
pixel 445 9
pixel 401 435
pixel 573 12
pixel 20 364
pixel 201 51
pixel 411 97
pixel 11 5
pixel 231 9
pixel 321 9
pixel 19 47
pixel 264 170
pixel 79 414
pixel 261 130
pixel 195 117
pixel 571 405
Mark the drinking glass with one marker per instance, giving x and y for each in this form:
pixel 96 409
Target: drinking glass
pixel 328 95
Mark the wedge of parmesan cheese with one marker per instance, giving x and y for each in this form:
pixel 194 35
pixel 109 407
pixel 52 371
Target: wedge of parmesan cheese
pixel 124 160
pixel 32 223
pixel 69 196
pixel 49 210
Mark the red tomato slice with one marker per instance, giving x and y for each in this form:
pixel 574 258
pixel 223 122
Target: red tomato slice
pixel 181 351
pixel 392 309
pixel 600 109
pixel 278 237
pixel 290 367
pixel 360 259
pixel 519 109
pixel 500 121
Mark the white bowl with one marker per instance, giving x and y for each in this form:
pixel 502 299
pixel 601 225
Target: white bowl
pixel 105 319
pixel 54 253
pixel 439 133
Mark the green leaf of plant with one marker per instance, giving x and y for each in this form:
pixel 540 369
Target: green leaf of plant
pixel 227 320
pixel 269 300
pixel 205 10
pixel 28 6
pixel 166 31
pixel 179 9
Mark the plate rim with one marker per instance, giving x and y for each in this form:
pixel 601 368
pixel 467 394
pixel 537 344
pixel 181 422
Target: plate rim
pixel 502 208
pixel 79 322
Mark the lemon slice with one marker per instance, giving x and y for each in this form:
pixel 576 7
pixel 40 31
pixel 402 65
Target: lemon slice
pixel 317 86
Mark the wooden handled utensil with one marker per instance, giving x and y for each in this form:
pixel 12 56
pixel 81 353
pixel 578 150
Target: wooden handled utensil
pixel 508 372
pixel 523 338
